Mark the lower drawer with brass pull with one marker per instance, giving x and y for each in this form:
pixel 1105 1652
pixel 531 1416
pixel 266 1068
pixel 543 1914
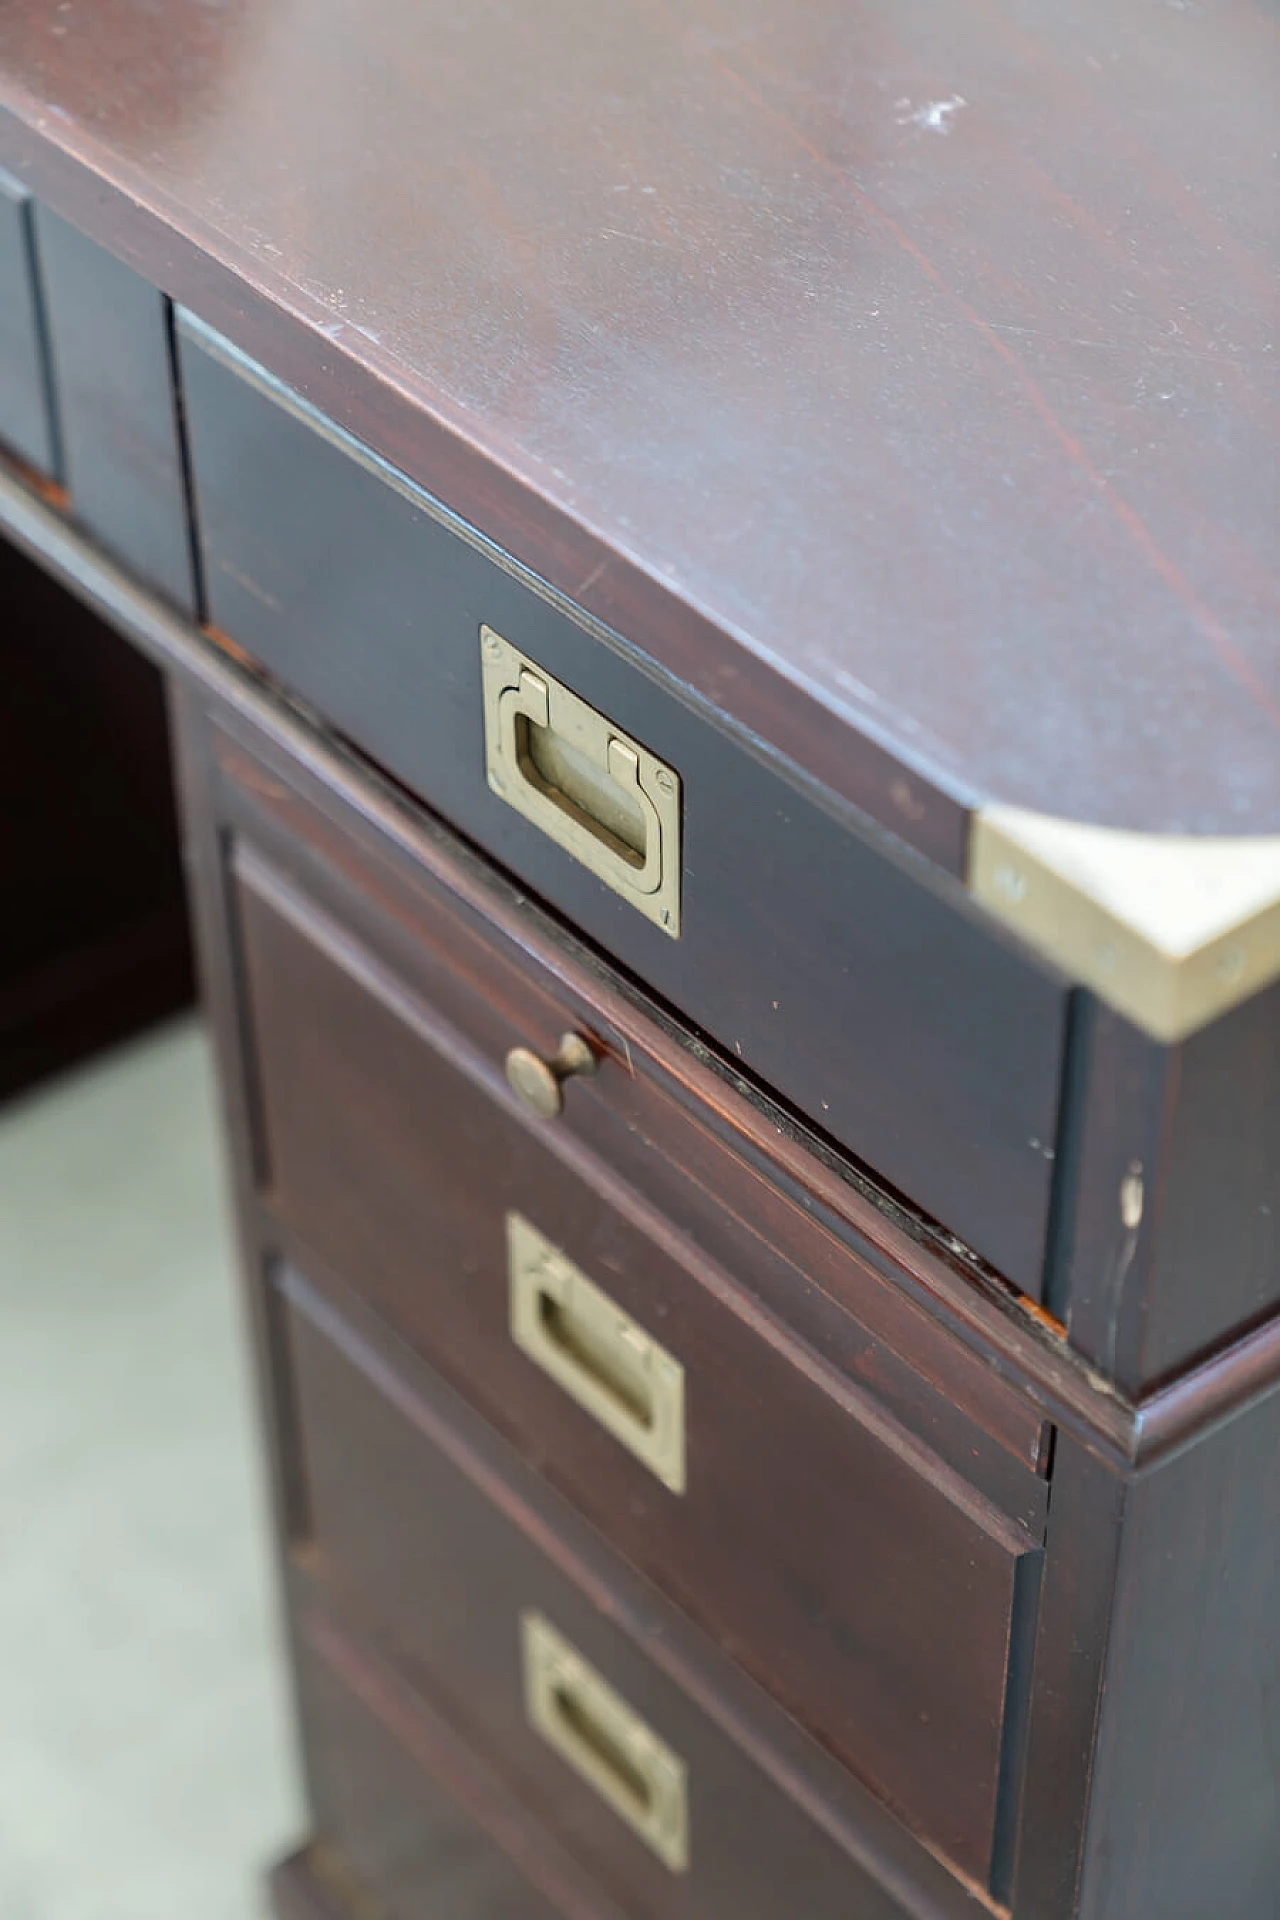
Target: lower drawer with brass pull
pixel 872 1585
pixel 401 1827
pixel 564 1698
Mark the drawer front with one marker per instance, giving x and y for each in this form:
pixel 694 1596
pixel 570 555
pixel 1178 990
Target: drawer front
pixel 907 1029
pixel 843 1563
pixel 455 1579
pixel 392 1837
pixel 113 374
pixel 25 425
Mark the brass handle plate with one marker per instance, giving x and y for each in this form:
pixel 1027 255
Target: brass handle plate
pixel 596 1353
pixel 588 785
pixel 604 1740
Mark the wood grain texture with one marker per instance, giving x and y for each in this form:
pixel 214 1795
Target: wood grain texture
pixel 1076 1603
pixel 110 351
pixel 806 949
pixel 1185 1816
pixel 305 776
pixel 392 1837
pixel 450 974
pixel 903 379
pixel 882 1596
pixel 1198 1126
pixel 26 420
pixel 447 1002
pixel 438 1570
pixel 1180 1601
pixel 838 1815
pixel 370 858
pixel 307 783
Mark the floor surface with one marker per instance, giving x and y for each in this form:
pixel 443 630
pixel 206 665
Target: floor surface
pixel 146 1761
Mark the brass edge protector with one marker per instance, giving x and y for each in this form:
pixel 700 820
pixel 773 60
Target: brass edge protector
pixel 1170 930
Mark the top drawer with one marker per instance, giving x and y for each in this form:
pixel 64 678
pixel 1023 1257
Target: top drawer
pixel 829 965
pixel 819 1474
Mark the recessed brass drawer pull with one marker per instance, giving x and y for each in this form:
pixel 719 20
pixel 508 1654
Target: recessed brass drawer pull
pixel 593 1350
pixel 590 787
pixel 578 1713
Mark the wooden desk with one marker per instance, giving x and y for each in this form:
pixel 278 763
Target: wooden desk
pixel 718 577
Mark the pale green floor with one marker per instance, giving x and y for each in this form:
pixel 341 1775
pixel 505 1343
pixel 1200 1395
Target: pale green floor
pixel 146 1762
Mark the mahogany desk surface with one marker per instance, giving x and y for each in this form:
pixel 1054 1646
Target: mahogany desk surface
pixel 905 376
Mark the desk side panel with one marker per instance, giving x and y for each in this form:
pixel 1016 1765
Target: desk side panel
pixel 1189 1137
pixel 1186 1790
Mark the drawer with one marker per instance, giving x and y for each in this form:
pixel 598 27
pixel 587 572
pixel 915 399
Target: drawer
pixel 869 993
pixel 26 428
pixel 109 336
pixel 387 1789
pixel 812 1469
pixel 848 1567
pixel 548 1678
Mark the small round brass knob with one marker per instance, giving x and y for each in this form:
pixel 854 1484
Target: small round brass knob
pixel 540 1083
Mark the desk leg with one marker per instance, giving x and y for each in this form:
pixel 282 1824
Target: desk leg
pixel 298 1892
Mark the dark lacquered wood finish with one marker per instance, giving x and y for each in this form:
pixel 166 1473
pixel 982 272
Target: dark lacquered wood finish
pixel 431 936
pixel 245 739
pixel 1187 1789
pixel 806 949
pixel 885 1592
pixel 432 923
pixel 26 422
pixel 118 426
pixel 1195 1129
pixel 446 1120
pixel 444 1563
pixel 328 837
pixel 887 397
pixel 1099 652
pixel 903 378
pixel 380 1771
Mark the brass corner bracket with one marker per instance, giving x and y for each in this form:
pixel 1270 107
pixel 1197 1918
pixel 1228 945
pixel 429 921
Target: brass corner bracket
pixel 1170 930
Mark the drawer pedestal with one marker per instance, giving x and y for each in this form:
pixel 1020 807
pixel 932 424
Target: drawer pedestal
pixel 717 586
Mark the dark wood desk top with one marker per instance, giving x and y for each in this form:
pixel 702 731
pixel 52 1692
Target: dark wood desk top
pixel 905 376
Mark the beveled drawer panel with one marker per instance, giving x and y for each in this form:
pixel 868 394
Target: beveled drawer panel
pixel 447 1569
pixel 848 1565
pixel 874 997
